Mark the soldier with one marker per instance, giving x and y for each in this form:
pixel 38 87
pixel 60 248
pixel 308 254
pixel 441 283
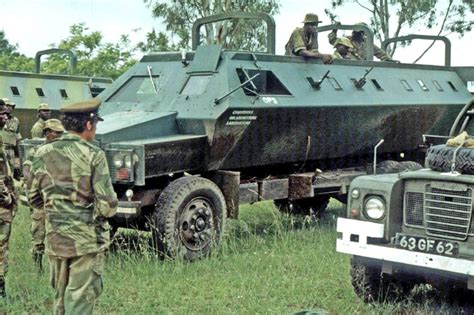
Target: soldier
pixel 44 113
pixel 304 41
pixel 7 204
pixel 358 41
pixel 53 129
pixel 343 46
pixel 11 134
pixel 70 179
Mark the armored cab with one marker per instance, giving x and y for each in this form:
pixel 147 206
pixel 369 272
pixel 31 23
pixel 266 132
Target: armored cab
pixel 189 136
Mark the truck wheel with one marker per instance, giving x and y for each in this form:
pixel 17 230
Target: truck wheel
pixel 374 287
pixel 388 167
pixel 310 206
pixel 410 166
pixel 440 157
pixel 189 218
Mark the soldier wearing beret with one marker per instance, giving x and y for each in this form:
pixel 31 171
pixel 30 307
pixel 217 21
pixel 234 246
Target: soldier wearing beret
pixel 70 180
pixel 44 113
pixel 7 203
pixel 53 129
pixel 304 41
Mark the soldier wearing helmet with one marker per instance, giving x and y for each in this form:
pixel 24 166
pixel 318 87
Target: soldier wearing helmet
pixel 304 41
pixel 343 46
pixel 44 113
pixel 358 40
pixel 7 203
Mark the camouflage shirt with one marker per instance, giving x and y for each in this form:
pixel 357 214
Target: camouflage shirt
pixel 37 129
pixel 359 51
pixel 7 189
pixel 70 179
pixel 298 41
pixel 12 129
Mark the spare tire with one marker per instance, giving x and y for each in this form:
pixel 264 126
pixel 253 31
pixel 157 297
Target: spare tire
pixel 440 157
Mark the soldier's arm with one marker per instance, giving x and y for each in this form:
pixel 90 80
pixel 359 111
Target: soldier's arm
pixel 381 54
pixel 33 191
pixel 332 36
pixel 104 194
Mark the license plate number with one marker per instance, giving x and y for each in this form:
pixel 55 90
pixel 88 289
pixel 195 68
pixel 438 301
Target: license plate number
pixel 423 244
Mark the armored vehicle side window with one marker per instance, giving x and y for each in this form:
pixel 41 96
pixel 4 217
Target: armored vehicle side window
pixel 452 86
pixel 64 93
pixel 422 85
pixel 196 84
pixel 406 85
pixel 136 89
pixel 40 92
pixel 437 85
pixel 334 83
pixel 376 84
pixel 266 83
pixel 15 90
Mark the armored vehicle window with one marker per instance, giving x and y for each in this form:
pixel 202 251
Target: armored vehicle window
pixel 376 84
pixel 334 83
pixel 452 86
pixel 437 85
pixel 64 93
pixel 15 90
pixel 136 89
pixel 422 85
pixel 266 83
pixel 406 85
pixel 196 84
pixel 40 92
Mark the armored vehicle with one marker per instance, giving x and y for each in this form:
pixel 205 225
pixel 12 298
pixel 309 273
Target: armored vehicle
pixel 28 90
pixel 416 226
pixel 189 136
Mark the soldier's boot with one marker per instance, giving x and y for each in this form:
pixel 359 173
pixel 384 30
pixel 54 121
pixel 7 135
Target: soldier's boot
pixel 3 293
pixel 38 260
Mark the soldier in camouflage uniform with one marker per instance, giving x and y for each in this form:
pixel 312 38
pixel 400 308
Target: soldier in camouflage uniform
pixel 304 41
pixel 343 46
pixel 44 113
pixel 7 204
pixel 53 129
pixel 359 49
pixel 70 179
pixel 11 134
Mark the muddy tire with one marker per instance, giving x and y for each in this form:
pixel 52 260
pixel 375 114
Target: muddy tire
pixel 440 157
pixel 388 167
pixel 189 219
pixel 410 166
pixel 372 286
pixel 311 206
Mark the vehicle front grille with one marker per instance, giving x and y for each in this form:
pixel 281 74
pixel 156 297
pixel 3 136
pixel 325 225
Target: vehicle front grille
pixel 414 213
pixel 448 212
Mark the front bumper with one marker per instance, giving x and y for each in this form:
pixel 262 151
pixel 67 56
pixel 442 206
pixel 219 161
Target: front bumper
pixel 385 254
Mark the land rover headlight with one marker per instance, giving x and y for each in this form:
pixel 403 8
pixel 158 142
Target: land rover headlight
pixel 128 161
pixel 374 208
pixel 118 160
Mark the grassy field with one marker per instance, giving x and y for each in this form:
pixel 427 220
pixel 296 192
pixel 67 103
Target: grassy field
pixel 268 263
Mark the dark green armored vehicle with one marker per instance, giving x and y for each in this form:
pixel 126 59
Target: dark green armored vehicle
pixel 189 136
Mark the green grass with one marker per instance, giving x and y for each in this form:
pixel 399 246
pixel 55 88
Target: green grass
pixel 268 263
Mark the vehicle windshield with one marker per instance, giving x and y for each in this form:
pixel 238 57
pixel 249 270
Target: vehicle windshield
pixel 136 89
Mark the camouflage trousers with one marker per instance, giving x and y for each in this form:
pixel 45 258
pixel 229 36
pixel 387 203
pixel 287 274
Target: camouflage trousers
pixel 38 231
pixel 5 231
pixel 77 282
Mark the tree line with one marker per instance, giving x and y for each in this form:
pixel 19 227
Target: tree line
pixel 388 18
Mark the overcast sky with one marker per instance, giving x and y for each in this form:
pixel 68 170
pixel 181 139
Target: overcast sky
pixel 35 24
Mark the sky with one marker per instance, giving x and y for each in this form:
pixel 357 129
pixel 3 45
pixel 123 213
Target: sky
pixel 36 24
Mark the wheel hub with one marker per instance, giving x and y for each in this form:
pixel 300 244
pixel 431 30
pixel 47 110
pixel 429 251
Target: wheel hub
pixel 196 223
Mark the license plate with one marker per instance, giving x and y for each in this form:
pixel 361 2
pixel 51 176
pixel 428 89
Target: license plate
pixel 427 245
pixel 128 207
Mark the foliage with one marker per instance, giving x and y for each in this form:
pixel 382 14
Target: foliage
pixel 11 59
pixel 178 16
pixel 95 58
pixel 445 17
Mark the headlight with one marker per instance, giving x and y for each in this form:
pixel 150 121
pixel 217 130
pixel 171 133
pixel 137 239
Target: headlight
pixel 374 208
pixel 118 160
pixel 128 161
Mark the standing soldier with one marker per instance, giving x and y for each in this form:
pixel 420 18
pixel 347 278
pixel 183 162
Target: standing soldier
pixel 304 41
pixel 53 129
pixel 11 134
pixel 44 113
pixel 70 180
pixel 7 204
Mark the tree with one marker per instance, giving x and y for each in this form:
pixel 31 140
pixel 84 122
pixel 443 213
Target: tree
pixel 11 59
pixel 445 17
pixel 95 58
pixel 179 16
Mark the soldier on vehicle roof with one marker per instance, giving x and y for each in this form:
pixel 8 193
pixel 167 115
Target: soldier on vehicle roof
pixel 53 129
pixel 7 203
pixel 70 181
pixel 304 41
pixel 44 113
pixel 343 46
pixel 358 40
